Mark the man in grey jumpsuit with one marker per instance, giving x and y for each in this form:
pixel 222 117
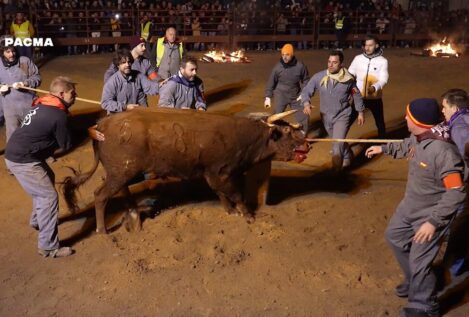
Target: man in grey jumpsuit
pixel 433 194
pixel 184 90
pixel 335 86
pixel 127 88
pixel 16 71
pixel 286 80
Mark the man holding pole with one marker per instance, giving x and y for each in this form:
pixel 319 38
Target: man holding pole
pixel 43 132
pixel 335 85
pixel 16 72
pixel 434 192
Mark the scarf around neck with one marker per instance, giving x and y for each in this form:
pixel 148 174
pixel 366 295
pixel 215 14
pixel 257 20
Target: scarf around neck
pixel 457 114
pixel 10 64
pixel 342 76
pixel 437 132
pixel 52 101
pixel 291 63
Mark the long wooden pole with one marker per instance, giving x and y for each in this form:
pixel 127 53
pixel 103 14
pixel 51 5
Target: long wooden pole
pixel 46 92
pixel 354 140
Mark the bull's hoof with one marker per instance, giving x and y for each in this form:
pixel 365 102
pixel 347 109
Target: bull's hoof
pixel 232 211
pixel 101 230
pixel 132 222
pixel 250 218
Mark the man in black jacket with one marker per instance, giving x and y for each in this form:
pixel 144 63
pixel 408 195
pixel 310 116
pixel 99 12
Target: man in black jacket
pixel 43 132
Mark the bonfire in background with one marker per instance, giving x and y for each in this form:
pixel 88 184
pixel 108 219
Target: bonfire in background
pixel 222 57
pixel 442 49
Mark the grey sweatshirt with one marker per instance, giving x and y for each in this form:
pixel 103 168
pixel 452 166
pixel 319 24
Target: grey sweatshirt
pixel 119 91
pixel 335 98
pixel 181 94
pixel 287 81
pixel 426 198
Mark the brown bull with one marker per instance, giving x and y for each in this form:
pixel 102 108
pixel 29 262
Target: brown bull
pixel 183 144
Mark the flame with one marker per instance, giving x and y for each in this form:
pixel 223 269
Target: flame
pixel 222 57
pixel 443 49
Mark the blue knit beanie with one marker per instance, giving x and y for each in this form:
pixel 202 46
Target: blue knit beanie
pixel 424 112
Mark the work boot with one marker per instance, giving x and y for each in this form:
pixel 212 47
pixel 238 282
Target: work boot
pixel 402 290
pixel 337 163
pixel 56 253
pixel 415 312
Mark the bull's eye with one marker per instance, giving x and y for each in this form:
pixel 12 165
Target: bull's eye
pixel 286 129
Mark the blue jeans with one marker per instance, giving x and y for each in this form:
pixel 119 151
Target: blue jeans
pixel 37 179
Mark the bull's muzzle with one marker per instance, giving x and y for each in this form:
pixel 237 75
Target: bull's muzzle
pixel 300 152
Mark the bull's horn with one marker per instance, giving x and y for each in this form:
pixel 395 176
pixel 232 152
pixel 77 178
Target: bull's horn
pixel 296 125
pixel 281 115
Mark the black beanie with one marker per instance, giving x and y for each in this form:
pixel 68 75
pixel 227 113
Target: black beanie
pixel 424 112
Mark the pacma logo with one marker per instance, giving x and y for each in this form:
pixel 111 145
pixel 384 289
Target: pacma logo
pixel 28 41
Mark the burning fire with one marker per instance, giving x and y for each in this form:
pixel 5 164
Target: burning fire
pixel 222 57
pixel 442 49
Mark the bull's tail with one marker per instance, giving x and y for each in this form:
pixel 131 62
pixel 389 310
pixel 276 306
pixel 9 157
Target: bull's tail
pixel 71 183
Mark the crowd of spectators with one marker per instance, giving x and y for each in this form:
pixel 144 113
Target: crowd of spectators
pixel 102 18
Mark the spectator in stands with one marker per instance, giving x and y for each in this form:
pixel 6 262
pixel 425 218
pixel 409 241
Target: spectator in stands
pixel 341 29
pixel 22 28
pixel 195 30
pixel 116 28
pixel 145 27
pixel 281 24
pixel 70 28
pixel 381 24
pixel 95 27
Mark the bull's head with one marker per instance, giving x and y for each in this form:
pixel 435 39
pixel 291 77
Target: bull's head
pixel 287 140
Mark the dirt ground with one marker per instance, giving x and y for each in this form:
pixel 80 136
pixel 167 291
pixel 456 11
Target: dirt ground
pixel 317 250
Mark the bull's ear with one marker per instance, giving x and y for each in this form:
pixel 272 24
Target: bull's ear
pixel 275 133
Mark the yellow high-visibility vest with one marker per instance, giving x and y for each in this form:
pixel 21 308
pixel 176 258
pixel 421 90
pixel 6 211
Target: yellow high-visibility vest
pixel 115 24
pixel 145 30
pixel 160 50
pixel 339 23
pixel 21 30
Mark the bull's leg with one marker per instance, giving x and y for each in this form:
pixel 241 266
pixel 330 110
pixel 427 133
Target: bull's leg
pixel 228 189
pixel 110 187
pixel 132 217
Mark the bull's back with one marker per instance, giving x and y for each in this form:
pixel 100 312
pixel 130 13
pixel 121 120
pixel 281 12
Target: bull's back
pixel 181 143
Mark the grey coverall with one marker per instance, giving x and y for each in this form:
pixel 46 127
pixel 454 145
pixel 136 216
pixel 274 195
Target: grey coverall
pixel 179 93
pixel 17 103
pixel 118 91
pixel 336 112
pixel 425 199
pixel 142 65
pixel 285 85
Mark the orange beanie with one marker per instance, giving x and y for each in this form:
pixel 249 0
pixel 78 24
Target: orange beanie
pixel 287 49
